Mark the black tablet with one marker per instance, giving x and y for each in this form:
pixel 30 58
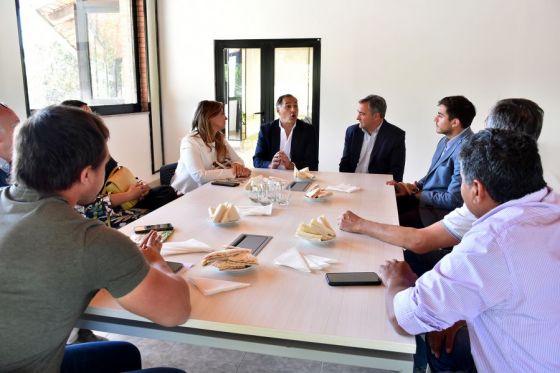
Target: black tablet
pixel 299 186
pixel 255 242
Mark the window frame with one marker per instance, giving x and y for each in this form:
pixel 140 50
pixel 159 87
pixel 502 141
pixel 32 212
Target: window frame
pixel 115 109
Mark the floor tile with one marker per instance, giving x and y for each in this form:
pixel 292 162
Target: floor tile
pixel 253 363
pixel 338 368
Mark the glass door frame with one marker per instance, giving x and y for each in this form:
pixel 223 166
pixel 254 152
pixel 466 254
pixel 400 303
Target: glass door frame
pixel 267 47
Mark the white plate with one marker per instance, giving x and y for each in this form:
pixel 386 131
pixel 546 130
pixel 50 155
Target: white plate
pixel 322 242
pixel 301 179
pixel 318 199
pixel 226 223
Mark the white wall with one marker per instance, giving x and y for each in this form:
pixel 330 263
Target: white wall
pixel 411 52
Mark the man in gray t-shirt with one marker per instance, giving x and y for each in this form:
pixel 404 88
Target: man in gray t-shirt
pixel 53 261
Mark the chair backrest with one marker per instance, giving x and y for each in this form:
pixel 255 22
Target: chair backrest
pixel 166 173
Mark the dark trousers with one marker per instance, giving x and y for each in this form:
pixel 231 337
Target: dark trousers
pixel 460 358
pixel 107 357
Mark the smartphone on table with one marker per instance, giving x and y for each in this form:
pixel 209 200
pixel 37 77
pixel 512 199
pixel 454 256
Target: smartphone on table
pixel 352 278
pixel 156 227
pixel 225 183
pixel 175 266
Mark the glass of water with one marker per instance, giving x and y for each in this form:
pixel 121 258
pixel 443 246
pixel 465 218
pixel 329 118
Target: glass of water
pixel 283 193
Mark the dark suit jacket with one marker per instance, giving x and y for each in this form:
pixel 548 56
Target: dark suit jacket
pixel 388 154
pixel 304 151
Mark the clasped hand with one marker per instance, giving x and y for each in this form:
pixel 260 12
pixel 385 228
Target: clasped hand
pixel 403 189
pixel 281 158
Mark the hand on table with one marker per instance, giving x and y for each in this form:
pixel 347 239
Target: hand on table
pixel 397 273
pixel 402 189
pixel 240 170
pixel 350 222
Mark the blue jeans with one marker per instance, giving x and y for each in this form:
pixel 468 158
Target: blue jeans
pixel 108 357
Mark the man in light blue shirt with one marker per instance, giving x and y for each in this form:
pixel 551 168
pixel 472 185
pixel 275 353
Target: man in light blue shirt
pixel 503 276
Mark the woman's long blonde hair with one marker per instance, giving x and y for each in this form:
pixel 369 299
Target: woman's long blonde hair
pixel 201 125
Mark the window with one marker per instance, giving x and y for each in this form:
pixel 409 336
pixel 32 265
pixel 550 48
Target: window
pixel 82 49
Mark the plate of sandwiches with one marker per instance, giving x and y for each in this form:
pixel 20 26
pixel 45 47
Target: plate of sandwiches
pixel 224 214
pixel 318 230
pixel 317 194
pixel 235 259
pixel 303 175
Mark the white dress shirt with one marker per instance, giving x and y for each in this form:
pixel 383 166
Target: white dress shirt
pixel 285 142
pixel 503 280
pixel 367 147
pixel 196 164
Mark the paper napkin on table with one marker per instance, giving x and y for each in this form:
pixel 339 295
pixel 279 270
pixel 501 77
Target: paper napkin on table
pixel 305 263
pixel 292 258
pixel 210 286
pixel 255 210
pixel 316 262
pixel 185 247
pixel 223 213
pixel 346 188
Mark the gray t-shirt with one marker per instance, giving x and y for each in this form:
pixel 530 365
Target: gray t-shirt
pixel 52 262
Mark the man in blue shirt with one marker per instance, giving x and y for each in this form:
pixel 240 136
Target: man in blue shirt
pixel 8 121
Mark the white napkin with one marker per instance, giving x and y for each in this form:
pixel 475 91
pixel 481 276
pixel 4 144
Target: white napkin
pixel 346 188
pixel 185 247
pixel 210 286
pixel 292 258
pixel 255 210
pixel 316 262
pixel 305 263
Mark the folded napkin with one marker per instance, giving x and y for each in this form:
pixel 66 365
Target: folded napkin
pixel 210 286
pixel 185 247
pixel 346 188
pixel 223 213
pixel 316 262
pixel 255 210
pixel 292 258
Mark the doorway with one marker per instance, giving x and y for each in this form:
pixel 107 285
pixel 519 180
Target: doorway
pixel 251 74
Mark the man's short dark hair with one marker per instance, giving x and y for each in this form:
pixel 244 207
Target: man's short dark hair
pixel 376 104
pixel 517 114
pixel 459 107
pixel 507 163
pixel 55 144
pixel 74 103
pixel 280 100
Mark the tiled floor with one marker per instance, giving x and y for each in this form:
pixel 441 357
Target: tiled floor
pixel 196 359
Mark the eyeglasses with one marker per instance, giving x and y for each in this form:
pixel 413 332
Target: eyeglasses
pixel 4 105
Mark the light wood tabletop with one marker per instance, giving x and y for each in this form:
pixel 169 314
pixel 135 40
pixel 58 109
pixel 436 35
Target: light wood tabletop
pixel 283 303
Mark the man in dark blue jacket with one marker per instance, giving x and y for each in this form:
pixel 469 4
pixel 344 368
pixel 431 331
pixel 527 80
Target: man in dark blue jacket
pixel 287 140
pixel 374 145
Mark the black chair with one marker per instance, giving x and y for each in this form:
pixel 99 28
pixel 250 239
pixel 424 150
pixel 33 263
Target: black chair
pixel 166 173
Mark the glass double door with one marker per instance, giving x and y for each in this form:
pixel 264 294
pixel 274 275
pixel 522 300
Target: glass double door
pixel 252 74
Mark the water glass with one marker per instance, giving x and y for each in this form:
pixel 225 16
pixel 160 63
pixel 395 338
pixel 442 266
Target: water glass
pixel 283 193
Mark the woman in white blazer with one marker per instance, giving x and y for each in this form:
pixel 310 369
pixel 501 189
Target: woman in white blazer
pixel 205 153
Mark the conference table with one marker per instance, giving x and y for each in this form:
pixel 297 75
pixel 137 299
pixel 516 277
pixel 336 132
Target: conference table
pixel 283 312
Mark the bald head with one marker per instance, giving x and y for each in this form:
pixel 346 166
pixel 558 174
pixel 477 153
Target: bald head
pixel 8 121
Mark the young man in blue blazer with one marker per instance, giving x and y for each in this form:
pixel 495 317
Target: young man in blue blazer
pixel 287 140
pixel 373 145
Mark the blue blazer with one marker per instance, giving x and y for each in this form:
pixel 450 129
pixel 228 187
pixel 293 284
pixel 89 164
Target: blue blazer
pixel 304 151
pixel 388 154
pixel 441 187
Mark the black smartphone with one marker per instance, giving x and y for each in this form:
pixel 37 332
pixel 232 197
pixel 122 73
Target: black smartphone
pixel 225 183
pixel 175 266
pixel 156 227
pixel 352 278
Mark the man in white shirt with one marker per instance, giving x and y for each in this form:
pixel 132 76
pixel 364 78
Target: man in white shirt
pixel 503 276
pixel 287 141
